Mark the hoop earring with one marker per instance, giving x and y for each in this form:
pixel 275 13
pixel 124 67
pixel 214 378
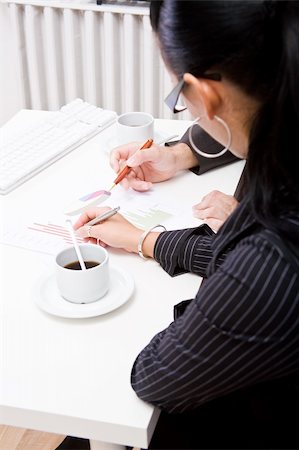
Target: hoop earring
pixel 211 155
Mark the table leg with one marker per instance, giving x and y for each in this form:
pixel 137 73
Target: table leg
pixel 98 445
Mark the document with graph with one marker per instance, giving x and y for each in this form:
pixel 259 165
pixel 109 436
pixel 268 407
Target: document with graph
pixel 144 209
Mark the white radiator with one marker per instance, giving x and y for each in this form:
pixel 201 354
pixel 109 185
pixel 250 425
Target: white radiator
pixel 106 55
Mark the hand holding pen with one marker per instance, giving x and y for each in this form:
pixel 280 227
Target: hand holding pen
pixel 114 230
pixel 125 170
pixel 99 215
pixel 151 165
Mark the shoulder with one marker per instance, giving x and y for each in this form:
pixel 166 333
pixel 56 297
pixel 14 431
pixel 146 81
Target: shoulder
pixel 261 260
pixel 242 230
pixel 257 294
pixel 282 249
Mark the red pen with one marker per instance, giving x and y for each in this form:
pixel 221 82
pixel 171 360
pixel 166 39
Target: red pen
pixel 125 170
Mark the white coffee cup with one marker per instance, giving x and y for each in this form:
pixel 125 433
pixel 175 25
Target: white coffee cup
pixel 135 126
pixel 83 286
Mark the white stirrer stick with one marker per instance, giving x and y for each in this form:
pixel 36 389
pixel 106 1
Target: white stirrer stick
pixel 77 248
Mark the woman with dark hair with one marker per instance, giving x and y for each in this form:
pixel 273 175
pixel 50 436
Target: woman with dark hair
pixel 224 372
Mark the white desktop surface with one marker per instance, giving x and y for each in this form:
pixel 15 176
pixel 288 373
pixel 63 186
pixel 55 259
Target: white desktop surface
pixel 72 376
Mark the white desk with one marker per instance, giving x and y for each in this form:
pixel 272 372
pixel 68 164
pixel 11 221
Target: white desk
pixel 73 376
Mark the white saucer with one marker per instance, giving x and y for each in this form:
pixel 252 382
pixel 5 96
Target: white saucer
pixel 49 299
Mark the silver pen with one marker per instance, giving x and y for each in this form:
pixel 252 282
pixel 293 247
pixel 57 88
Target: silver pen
pixel 103 217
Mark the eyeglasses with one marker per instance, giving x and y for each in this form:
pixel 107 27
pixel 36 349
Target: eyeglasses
pixel 172 99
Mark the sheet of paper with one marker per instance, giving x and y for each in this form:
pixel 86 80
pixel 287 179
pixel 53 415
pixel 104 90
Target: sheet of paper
pixel 50 235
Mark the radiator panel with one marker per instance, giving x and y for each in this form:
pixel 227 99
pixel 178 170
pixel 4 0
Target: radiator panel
pixel 110 59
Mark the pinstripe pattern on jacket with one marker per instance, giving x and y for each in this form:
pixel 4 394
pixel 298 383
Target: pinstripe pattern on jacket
pixel 242 328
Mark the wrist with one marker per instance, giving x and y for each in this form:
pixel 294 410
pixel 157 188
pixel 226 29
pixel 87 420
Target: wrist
pixel 148 244
pixel 132 247
pixel 184 157
pixel 147 241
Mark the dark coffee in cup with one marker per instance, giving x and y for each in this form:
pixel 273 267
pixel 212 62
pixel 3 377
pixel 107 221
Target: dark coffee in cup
pixel 82 286
pixel 75 265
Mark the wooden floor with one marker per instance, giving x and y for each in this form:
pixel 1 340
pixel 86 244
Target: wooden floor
pixel 12 438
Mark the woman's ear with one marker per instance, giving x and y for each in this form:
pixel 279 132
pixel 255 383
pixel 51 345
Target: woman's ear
pixel 205 92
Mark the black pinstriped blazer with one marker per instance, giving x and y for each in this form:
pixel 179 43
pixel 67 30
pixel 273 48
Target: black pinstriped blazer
pixel 242 327
pixel 236 340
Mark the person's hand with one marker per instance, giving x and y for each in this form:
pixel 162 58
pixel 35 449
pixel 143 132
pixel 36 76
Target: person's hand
pixel 151 165
pixel 215 208
pixel 116 231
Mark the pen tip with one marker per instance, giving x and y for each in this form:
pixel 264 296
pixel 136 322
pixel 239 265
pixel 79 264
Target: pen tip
pixel 112 187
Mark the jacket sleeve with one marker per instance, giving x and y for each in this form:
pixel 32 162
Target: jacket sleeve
pixel 207 144
pixel 183 251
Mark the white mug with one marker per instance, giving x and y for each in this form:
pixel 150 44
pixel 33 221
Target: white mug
pixel 135 126
pixel 83 286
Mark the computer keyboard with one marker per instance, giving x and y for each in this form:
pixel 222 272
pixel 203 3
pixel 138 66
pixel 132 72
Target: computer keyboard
pixel 35 149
